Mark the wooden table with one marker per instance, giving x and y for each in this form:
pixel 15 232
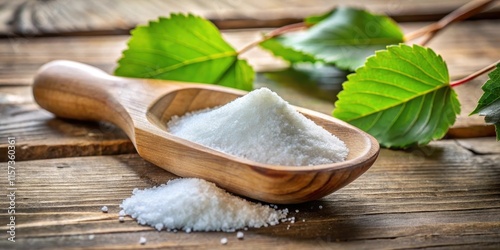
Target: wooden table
pixel 444 195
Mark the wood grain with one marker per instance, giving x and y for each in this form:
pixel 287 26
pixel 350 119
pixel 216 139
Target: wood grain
pixel 445 195
pixel 21 57
pixel 481 146
pixel 98 17
pixel 441 196
pixel 40 135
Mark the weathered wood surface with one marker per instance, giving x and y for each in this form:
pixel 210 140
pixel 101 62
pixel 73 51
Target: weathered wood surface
pixel 439 196
pixel 466 47
pixel 445 195
pixel 143 107
pixel 40 135
pixel 31 17
pixel 43 136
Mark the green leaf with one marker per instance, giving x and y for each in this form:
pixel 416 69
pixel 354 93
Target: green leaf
pixel 401 96
pixel 345 38
pixel 184 48
pixel 315 19
pixel 489 103
pixel 288 53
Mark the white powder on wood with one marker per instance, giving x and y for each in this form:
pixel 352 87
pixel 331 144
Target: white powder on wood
pixel 142 240
pixel 240 235
pixel 197 205
pixel 223 241
pixel 262 127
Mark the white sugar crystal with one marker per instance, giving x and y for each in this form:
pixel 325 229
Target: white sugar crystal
pixel 197 205
pixel 104 209
pixel 262 127
pixel 223 241
pixel 121 218
pixel 142 240
pixel 240 235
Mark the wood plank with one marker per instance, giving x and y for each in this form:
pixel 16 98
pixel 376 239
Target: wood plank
pixel 19 60
pixel 99 17
pixel 484 145
pixel 435 196
pixel 20 57
pixel 40 135
pixel 467 126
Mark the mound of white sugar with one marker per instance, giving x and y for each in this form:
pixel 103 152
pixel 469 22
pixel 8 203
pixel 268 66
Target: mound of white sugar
pixel 197 205
pixel 262 127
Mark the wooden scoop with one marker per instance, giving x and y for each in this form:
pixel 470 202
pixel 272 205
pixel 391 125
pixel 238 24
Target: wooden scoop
pixel 142 107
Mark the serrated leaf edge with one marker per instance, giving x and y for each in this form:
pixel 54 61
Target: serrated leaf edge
pixel 403 100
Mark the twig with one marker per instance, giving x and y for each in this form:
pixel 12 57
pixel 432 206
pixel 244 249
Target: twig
pixel 275 33
pixel 459 14
pixel 249 46
pixel 286 29
pixel 474 75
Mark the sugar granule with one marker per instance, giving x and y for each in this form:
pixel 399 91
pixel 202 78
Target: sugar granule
pixel 262 127
pixel 142 240
pixel 192 204
pixel 223 241
pixel 240 235
pixel 104 209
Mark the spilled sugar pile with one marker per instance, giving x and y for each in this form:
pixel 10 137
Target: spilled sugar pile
pixel 197 205
pixel 262 127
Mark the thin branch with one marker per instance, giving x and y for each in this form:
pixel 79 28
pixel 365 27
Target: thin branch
pixel 286 29
pixel 474 75
pixel 274 33
pixel 459 14
pixel 250 46
pixel 427 38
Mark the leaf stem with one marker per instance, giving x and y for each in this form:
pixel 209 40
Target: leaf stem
pixel 464 12
pixel 474 75
pixel 274 33
pixel 286 29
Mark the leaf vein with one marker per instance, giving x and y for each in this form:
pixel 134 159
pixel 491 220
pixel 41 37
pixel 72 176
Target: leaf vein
pixel 160 71
pixel 391 106
pixel 418 67
pixel 439 72
pixel 386 83
pixel 404 74
pixel 375 94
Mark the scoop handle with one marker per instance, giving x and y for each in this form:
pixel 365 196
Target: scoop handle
pixel 79 91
